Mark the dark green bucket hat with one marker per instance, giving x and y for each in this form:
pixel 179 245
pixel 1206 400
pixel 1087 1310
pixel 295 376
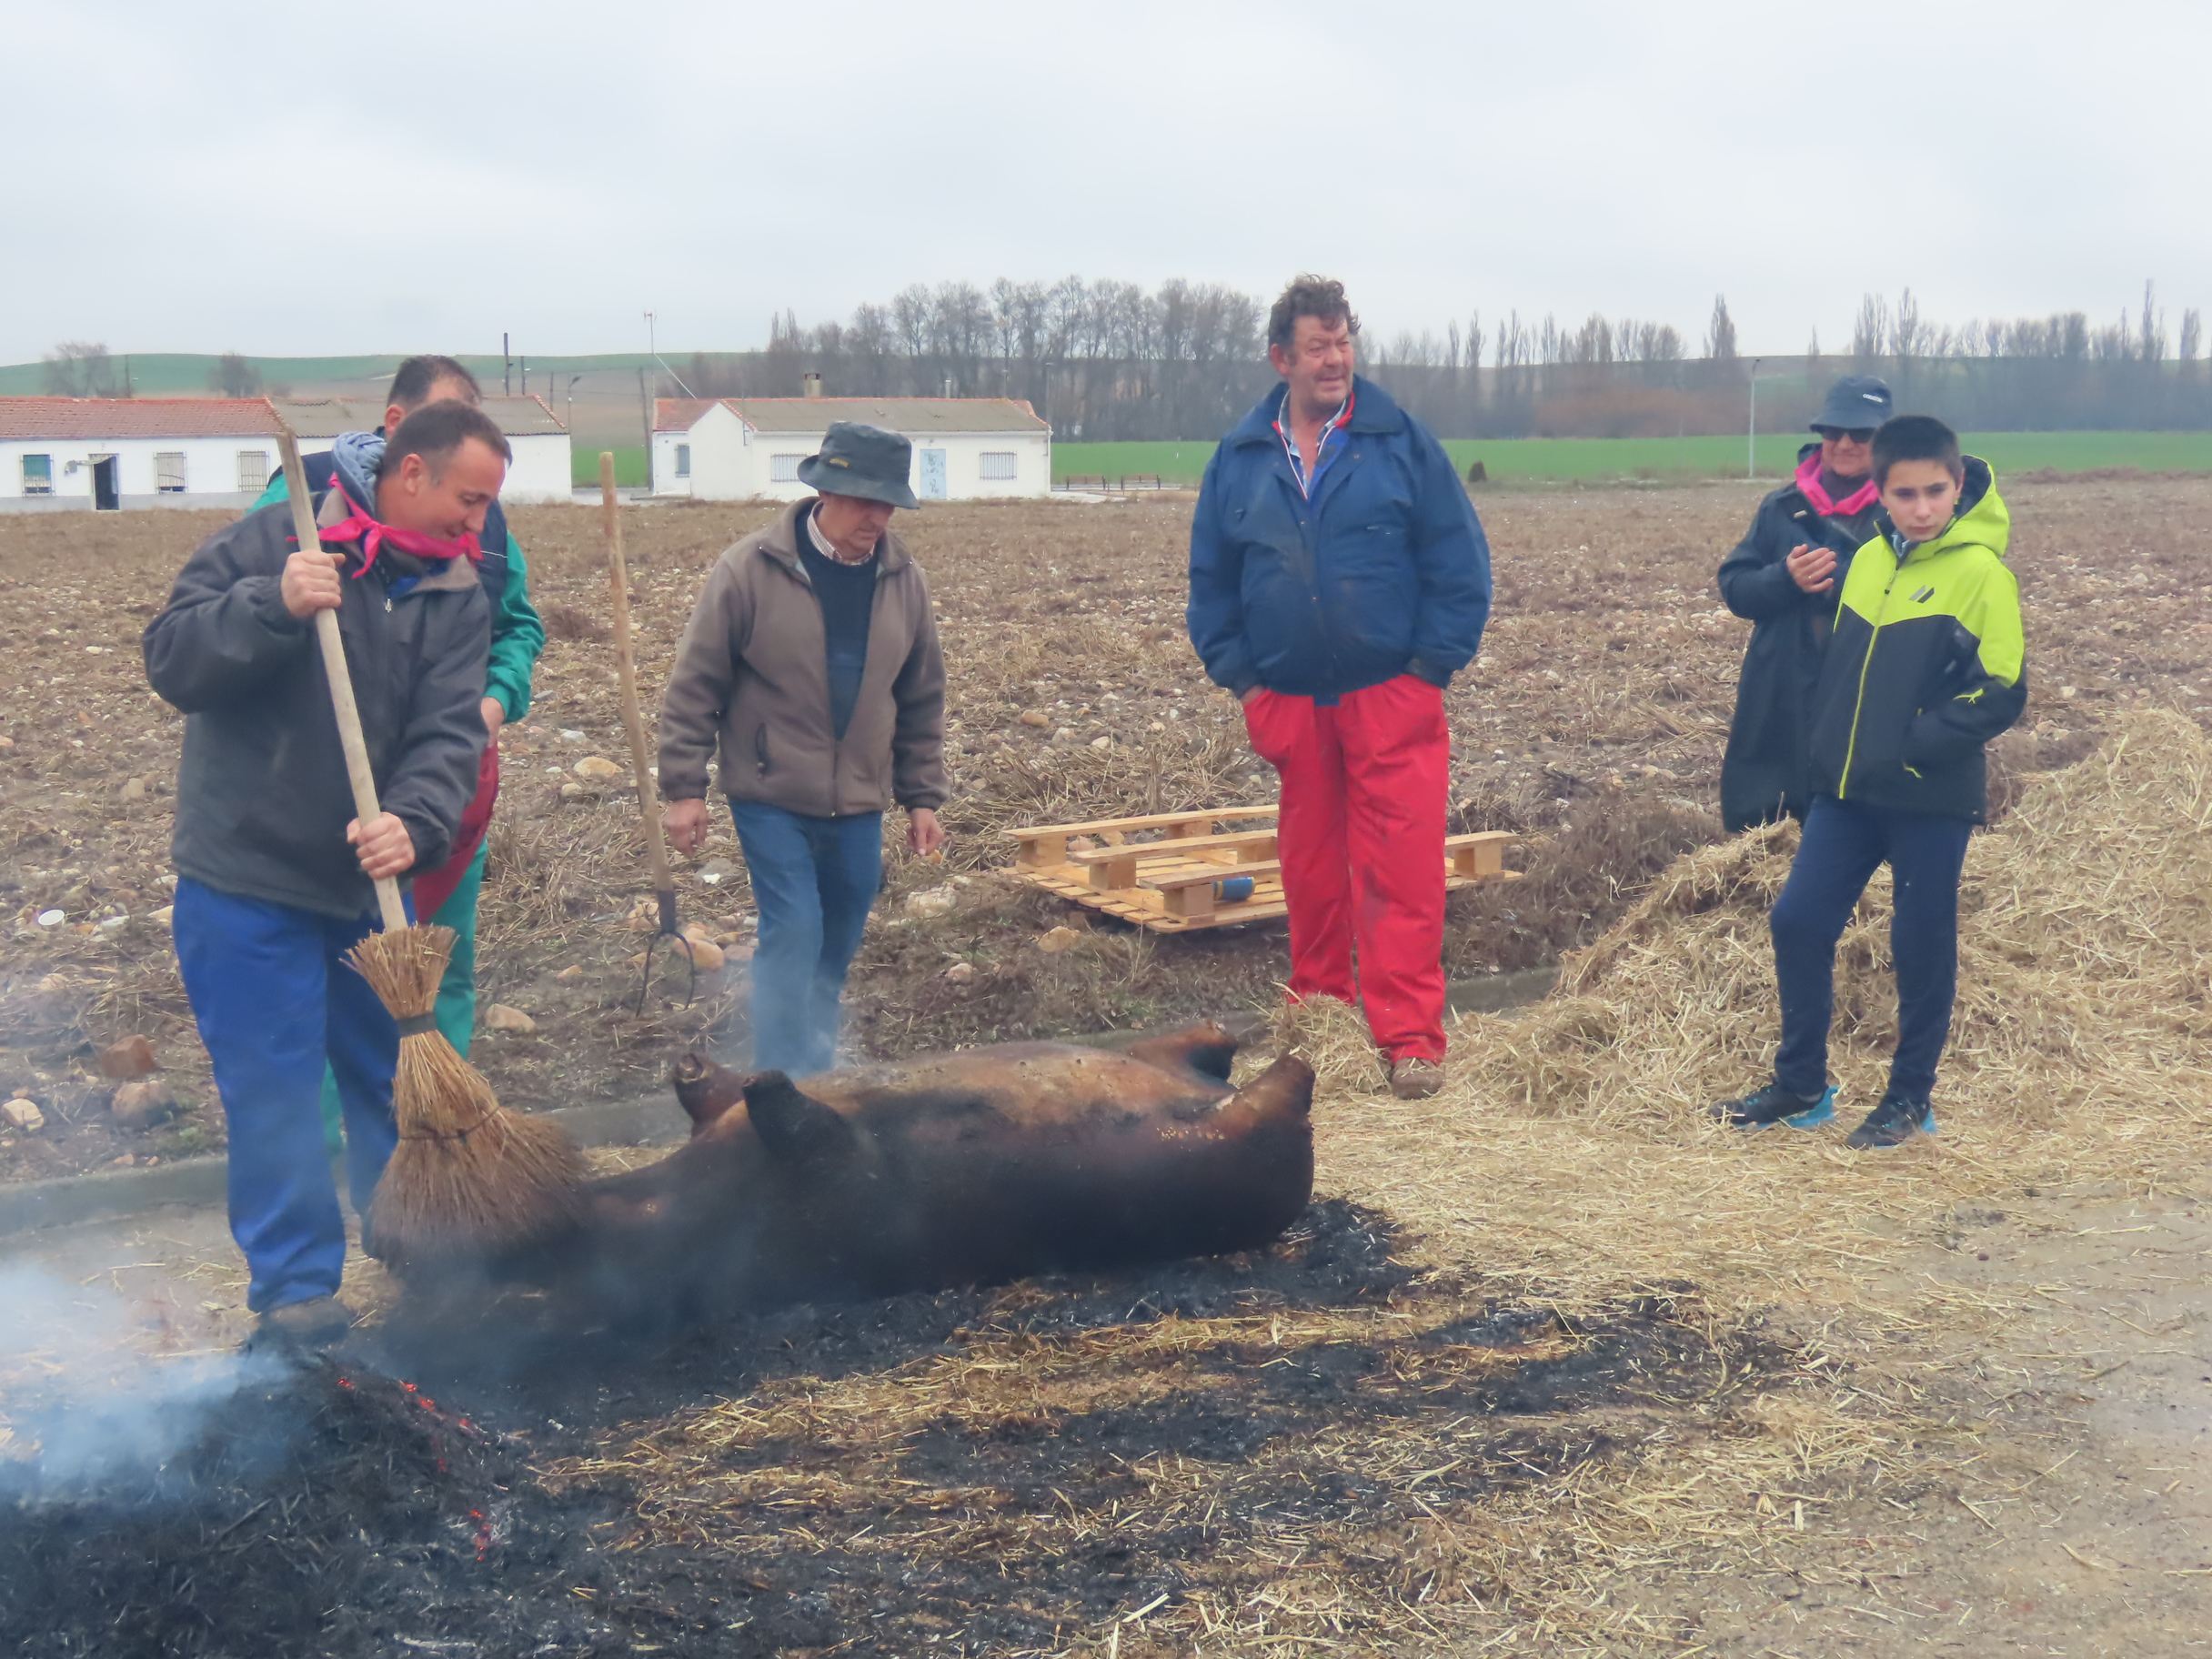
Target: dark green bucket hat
pixel 861 461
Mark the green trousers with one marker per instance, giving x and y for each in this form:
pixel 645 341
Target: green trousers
pixel 456 993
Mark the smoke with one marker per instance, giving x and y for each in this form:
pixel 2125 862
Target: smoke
pixel 83 1402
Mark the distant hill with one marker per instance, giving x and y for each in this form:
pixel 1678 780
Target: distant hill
pixel 175 374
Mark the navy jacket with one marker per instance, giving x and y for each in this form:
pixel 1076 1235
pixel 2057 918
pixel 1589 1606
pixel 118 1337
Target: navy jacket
pixel 1766 769
pixel 1383 572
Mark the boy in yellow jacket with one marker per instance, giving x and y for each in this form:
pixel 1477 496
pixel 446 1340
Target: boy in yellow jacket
pixel 1927 664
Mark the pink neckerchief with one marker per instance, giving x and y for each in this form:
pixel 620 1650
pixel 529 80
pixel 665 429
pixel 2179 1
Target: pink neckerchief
pixel 1809 486
pixel 372 533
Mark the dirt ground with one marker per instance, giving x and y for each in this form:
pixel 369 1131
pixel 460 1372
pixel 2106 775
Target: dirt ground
pixel 1592 723
pixel 1277 1452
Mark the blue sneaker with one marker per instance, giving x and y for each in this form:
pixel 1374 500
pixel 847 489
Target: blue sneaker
pixel 1895 1118
pixel 1774 1104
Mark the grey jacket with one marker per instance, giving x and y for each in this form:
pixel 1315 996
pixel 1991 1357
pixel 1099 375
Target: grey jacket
pixel 262 797
pixel 753 677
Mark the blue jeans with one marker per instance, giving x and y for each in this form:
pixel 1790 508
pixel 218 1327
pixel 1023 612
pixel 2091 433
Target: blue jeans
pixel 1843 846
pixel 274 1001
pixel 814 880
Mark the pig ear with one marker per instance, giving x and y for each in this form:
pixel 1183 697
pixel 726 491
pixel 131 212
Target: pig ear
pixel 796 1128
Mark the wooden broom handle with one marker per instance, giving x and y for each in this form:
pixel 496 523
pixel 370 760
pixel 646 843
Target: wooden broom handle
pixel 357 770
pixel 626 661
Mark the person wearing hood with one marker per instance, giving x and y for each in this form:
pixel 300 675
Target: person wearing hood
pixel 448 895
pixel 274 871
pixel 1782 579
pixel 1929 663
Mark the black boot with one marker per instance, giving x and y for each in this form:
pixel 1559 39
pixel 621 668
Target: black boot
pixel 1895 1118
pixel 1774 1104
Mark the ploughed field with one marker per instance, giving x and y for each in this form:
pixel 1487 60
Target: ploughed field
pixel 1593 723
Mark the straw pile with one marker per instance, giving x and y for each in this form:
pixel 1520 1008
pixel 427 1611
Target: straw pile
pixel 1572 1144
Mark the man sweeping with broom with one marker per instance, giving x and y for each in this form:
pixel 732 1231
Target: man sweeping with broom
pixel 274 868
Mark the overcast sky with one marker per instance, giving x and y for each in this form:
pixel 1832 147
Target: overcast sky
pixel 410 176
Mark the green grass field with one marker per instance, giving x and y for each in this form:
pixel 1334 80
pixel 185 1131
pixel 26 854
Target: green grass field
pixel 629 464
pixel 1598 460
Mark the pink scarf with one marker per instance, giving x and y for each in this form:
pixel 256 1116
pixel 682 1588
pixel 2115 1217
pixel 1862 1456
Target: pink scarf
pixel 374 535
pixel 1809 486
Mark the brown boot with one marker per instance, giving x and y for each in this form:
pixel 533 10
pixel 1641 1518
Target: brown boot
pixel 1414 1078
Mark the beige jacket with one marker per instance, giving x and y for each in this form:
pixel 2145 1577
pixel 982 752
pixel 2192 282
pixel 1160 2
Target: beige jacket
pixel 752 675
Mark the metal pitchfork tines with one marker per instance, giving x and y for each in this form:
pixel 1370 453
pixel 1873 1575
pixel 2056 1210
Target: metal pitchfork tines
pixel 665 899
pixel 655 847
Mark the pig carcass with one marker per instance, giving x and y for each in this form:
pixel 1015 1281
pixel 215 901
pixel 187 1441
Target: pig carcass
pixel 966 1168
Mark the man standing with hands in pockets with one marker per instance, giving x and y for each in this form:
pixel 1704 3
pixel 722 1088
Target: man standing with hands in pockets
pixel 1338 580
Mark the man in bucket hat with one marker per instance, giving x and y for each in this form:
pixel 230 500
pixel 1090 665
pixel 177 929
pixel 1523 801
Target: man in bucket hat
pixel 1782 579
pixel 811 663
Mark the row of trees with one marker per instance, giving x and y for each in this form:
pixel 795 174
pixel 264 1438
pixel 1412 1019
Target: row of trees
pixel 1107 360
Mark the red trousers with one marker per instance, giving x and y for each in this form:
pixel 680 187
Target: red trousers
pixel 1362 842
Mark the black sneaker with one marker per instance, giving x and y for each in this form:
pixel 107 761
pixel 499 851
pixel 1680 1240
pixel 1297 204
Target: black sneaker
pixel 1895 1118
pixel 1774 1104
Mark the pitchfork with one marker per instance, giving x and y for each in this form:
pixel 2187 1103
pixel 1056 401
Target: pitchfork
pixel 656 848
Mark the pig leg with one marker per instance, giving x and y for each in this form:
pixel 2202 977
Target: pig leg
pixel 1204 1048
pixel 705 1090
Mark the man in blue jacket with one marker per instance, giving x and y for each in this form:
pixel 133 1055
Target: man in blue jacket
pixel 1338 580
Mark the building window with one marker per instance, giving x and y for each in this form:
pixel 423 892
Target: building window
pixel 996 465
pixel 784 468
pixel 38 474
pixel 169 471
pixel 253 471
pixel 683 460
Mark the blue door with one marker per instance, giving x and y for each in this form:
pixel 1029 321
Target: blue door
pixel 932 475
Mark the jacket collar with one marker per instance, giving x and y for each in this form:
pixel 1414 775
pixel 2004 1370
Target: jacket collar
pixel 780 541
pixel 1372 410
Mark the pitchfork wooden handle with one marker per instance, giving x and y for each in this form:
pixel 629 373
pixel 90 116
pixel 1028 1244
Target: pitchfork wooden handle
pixel 348 714
pixel 626 661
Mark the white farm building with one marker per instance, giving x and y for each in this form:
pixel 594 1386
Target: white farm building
pixel 748 448
pixel 540 471
pixel 107 453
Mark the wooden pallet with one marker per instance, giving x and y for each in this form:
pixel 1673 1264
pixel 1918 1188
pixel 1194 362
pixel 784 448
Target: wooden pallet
pixel 1171 883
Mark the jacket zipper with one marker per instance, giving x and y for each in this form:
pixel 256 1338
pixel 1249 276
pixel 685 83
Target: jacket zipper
pixel 1851 744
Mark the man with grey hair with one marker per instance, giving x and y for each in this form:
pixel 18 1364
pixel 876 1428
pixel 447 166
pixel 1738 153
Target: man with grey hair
pixel 811 664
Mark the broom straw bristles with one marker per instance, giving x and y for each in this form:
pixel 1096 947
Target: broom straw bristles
pixel 468 1176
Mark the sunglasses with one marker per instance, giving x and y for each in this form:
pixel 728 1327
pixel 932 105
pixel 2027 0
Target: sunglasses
pixel 1857 434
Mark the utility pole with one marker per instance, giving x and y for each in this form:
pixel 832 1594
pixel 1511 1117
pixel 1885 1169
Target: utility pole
pixel 524 363
pixel 507 366
pixel 1750 451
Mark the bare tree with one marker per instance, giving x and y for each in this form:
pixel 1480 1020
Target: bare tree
pixel 1719 333
pixel 82 368
pixel 234 376
pixel 2192 341
pixel 1870 331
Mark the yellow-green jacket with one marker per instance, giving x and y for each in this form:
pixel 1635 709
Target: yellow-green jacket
pixel 1927 664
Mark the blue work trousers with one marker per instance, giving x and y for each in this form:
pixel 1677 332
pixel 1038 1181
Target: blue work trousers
pixel 275 1002
pixel 814 881
pixel 1843 844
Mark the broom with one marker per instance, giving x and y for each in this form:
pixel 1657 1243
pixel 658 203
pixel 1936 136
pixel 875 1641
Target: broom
pixel 468 1174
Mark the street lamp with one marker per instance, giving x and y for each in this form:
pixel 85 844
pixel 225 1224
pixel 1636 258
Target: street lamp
pixel 1751 446
pixel 572 380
